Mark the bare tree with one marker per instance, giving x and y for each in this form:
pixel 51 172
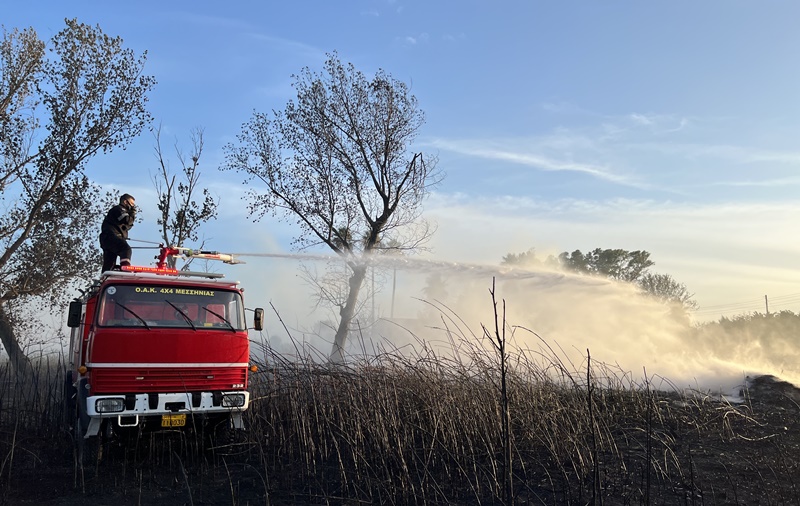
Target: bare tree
pixel 90 97
pixel 338 163
pixel 181 214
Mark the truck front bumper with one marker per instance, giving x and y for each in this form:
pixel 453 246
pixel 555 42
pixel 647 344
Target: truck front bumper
pixel 129 408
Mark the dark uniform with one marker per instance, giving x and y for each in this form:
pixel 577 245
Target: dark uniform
pixel 114 233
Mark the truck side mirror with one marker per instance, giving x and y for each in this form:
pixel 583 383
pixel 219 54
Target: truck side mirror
pixel 258 318
pixel 74 314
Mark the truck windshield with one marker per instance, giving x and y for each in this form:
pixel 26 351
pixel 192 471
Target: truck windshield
pixel 154 306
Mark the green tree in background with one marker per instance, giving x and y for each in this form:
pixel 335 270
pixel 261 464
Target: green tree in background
pixel 528 259
pixel 666 289
pixel 338 163
pixel 57 113
pixel 619 264
pixel 524 259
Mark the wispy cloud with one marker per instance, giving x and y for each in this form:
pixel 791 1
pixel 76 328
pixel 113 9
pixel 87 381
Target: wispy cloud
pixel 659 122
pixel 664 123
pixel 449 37
pixel 765 183
pixel 535 160
pixel 739 154
pixel 564 107
pixel 664 154
pixel 413 40
pixel 641 119
pixel 206 21
pixel 289 45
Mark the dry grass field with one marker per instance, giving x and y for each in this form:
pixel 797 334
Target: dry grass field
pixel 489 427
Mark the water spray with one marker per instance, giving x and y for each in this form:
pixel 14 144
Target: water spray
pixel 431 266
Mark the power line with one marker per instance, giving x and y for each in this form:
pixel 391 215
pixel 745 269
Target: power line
pixel 795 297
pixel 777 302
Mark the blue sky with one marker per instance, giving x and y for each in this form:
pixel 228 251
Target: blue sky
pixel 665 126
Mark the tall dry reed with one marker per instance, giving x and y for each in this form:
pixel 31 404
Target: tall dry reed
pixel 426 427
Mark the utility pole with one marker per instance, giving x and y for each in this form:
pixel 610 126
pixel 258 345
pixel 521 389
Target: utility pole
pixel 394 288
pixel 766 303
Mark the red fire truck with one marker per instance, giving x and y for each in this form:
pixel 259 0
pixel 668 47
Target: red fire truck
pixel 157 348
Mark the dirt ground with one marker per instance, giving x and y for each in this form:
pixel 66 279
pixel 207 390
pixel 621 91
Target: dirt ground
pixel 752 458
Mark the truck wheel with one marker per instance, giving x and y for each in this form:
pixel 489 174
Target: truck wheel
pixel 228 441
pixel 88 451
pixel 70 398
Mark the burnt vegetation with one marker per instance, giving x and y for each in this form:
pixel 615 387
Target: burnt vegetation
pixel 491 425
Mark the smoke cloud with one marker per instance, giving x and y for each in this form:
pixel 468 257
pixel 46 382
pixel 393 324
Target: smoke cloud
pixel 419 301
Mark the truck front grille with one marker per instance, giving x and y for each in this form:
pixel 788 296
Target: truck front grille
pixel 158 379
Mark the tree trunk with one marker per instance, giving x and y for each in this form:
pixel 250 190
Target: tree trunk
pixel 347 313
pixel 19 362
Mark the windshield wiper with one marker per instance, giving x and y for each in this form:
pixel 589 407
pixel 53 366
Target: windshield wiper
pixel 134 314
pixel 185 316
pixel 221 318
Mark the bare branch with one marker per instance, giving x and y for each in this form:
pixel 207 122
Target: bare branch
pixel 186 207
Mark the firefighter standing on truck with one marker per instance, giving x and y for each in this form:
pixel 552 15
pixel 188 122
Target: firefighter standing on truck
pixel 114 232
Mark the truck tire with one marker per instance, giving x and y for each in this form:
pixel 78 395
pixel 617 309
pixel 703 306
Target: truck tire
pixel 88 451
pixel 227 440
pixel 70 400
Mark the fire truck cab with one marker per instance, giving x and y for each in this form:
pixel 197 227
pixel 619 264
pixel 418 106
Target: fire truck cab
pixel 158 349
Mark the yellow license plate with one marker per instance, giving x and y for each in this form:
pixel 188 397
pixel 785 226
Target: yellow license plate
pixel 178 420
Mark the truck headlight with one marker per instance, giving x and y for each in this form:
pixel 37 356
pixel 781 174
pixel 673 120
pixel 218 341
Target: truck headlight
pixel 109 405
pixel 233 400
